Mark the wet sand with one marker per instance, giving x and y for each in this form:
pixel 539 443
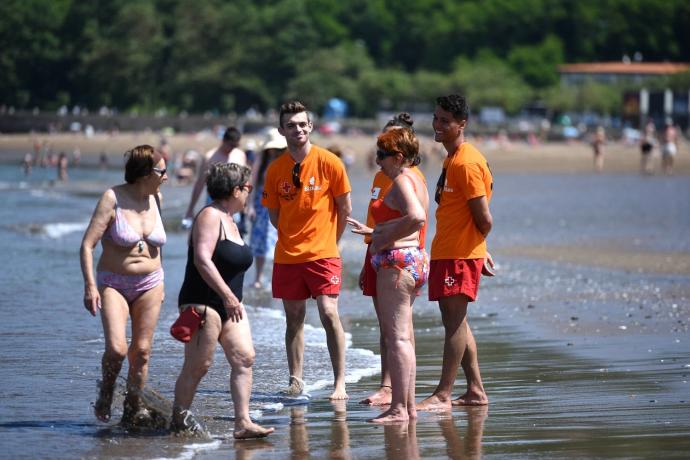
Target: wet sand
pixel 584 350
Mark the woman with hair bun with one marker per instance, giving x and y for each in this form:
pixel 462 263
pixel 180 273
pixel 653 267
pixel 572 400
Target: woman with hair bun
pixel 400 263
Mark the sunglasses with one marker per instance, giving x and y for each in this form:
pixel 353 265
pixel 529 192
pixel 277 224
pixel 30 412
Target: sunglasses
pixel 247 187
pixel 295 175
pixel 381 154
pixel 439 186
pixel 160 172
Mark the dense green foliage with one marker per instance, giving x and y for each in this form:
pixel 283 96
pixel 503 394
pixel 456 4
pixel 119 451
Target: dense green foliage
pixel 200 55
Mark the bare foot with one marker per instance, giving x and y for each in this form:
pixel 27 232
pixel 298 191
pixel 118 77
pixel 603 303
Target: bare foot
pixel 471 399
pixel 102 405
pixel 257 285
pixel 392 416
pixel 380 397
pixel 252 431
pixel 434 403
pixel 339 393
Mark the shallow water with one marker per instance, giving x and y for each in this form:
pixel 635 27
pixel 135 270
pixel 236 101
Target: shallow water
pixel 578 361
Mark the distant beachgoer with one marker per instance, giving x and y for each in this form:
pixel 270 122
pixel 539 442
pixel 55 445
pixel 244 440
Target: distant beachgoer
pixel 367 277
pixel 62 164
pixel 400 262
pixel 103 160
pixel 188 167
pixel 129 277
pixel 28 164
pixel 458 250
pixel 647 144
pixel 227 152
pixel 76 156
pixel 217 259
pixel 264 235
pixel 598 142
pixel 669 147
pixel 307 193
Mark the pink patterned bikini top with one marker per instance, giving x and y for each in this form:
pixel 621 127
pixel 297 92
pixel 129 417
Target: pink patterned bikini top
pixel 122 234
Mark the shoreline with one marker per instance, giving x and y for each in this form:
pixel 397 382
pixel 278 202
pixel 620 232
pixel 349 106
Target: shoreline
pixel 512 157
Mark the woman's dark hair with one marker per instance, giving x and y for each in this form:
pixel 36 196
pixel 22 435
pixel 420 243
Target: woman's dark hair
pixel 402 141
pixel 401 120
pixel 223 178
pixel 140 162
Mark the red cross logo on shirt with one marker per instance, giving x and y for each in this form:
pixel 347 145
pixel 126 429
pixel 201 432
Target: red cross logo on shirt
pixel 335 279
pixel 285 187
pixel 449 281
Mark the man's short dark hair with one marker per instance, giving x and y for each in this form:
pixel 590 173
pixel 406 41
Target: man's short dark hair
pixel 232 135
pixel 291 108
pixel 455 104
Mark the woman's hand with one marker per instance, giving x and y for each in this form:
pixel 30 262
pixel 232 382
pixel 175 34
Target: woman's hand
pixel 358 227
pixel 92 299
pixel 234 308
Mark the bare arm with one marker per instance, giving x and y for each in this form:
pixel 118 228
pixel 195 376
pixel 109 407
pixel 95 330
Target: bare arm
pixel 479 208
pixel 343 206
pixel 198 187
pixel 94 232
pixel 273 215
pixel 205 235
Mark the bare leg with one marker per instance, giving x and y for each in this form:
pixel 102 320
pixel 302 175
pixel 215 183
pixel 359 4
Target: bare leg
pixel 144 311
pixel 382 396
pixel 396 313
pixel 236 340
pixel 295 311
pixel 454 317
pixel 475 394
pixel 259 262
pixel 114 316
pixel 198 357
pixel 335 339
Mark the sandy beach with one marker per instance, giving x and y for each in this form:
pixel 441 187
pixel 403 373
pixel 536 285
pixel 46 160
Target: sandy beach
pixel 583 334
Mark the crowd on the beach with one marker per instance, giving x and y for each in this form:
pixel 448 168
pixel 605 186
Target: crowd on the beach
pixel 292 205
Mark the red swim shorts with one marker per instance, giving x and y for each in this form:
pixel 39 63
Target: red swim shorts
pixel 369 286
pixel 307 279
pixel 450 277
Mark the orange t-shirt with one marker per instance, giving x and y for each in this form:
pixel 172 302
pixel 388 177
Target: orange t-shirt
pixel 308 218
pixel 467 176
pixel 379 188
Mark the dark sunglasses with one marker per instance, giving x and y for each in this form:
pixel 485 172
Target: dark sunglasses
pixel 160 172
pixel 439 186
pixel 381 154
pixel 295 175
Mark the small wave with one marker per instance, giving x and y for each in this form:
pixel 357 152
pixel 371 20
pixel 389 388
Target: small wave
pixel 191 450
pixel 60 229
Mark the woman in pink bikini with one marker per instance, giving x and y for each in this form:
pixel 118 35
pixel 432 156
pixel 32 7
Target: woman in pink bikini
pixel 129 277
pixel 400 262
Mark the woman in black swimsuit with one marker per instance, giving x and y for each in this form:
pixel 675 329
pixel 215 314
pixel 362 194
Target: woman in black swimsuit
pixel 216 262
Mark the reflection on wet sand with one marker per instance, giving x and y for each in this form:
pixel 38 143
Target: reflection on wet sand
pixel 340 434
pixel 401 440
pixel 339 447
pixel 468 446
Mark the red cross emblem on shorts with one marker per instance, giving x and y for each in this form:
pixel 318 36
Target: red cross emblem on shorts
pixel 449 281
pixel 335 279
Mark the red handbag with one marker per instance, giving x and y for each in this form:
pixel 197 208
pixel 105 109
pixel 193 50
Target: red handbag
pixel 187 324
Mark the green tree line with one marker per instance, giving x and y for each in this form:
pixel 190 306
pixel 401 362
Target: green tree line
pixel 201 55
